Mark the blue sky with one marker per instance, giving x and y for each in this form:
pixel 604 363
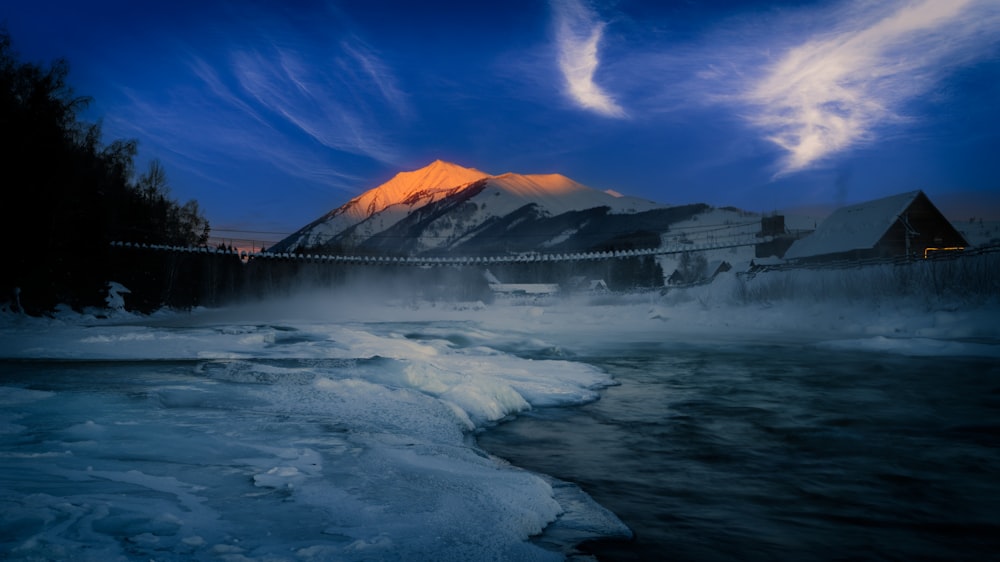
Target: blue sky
pixel 272 113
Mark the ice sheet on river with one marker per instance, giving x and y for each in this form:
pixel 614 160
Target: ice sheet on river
pixel 308 441
pixel 334 430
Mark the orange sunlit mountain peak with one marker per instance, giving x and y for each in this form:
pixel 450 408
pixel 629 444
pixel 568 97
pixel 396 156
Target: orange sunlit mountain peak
pixel 436 176
pixel 445 178
pixel 402 203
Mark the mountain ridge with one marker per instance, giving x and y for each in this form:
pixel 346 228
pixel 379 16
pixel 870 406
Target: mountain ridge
pixel 441 206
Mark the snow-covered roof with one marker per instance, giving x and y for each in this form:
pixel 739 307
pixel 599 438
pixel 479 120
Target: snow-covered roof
pixel 856 227
pixel 490 278
pixel 525 288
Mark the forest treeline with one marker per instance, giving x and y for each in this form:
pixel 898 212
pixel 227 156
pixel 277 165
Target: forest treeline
pixel 67 195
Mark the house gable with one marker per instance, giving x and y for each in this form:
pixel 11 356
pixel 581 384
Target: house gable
pixel 904 224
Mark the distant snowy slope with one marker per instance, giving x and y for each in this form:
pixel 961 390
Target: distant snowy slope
pixel 442 204
pixel 557 194
pixel 438 179
pixel 979 233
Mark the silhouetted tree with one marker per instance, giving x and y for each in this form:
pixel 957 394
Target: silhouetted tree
pixel 153 184
pixel 67 196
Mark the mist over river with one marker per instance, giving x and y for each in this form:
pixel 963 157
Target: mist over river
pixel 321 427
pixel 727 451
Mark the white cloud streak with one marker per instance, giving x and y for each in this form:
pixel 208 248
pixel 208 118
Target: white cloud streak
pixel 379 74
pixel 578 34
pixel 833 91
pixel 254 105
pixel 314 100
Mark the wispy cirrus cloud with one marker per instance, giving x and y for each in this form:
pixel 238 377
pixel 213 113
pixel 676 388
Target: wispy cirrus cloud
pixel 578 33
pixel 267 104
pixel 839 87
pixel 377 71
pixel 228 130
pixel 318 100
pixel 265 98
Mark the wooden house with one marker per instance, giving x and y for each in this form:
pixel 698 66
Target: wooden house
pixel 901 225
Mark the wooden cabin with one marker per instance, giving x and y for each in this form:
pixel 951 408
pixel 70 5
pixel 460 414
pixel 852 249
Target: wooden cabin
pixel 904 225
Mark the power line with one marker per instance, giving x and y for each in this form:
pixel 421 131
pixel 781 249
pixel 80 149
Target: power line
pixel 250 231
pixel 689 229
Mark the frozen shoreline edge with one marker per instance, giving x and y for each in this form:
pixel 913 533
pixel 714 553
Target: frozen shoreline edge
pixel 556 327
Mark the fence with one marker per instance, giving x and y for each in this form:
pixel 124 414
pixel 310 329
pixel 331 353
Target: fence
pixel 861 263
pixel 423 261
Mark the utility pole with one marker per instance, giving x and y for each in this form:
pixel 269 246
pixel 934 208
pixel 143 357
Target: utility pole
pixel 910 231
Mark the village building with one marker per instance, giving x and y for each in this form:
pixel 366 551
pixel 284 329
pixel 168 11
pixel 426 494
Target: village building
pixel 904 225
pixel 519 289
pixel 687 276
pixel 775 237
pixel 582 283
pixel 524 289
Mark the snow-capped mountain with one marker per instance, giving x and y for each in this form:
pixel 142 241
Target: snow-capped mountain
pixel 406 190
pixel 444 207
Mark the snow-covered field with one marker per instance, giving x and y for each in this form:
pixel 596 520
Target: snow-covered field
pixel 241 435
pixel 333 427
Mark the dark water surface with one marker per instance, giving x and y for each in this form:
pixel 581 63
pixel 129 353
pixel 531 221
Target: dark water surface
pixel 781 452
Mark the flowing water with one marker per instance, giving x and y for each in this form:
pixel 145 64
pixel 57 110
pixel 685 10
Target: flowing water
pixel 210 437
pixel 762 452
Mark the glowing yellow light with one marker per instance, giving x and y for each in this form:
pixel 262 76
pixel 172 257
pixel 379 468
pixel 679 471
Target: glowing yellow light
pixel 948 249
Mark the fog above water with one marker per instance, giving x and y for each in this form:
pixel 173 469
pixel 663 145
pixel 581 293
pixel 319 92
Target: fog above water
pixel 339 423
pixel 947 300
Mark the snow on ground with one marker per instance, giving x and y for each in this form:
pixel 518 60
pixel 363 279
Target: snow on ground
pixel 979 232
pixel 248 434
pixel 327 426
pixel 716 227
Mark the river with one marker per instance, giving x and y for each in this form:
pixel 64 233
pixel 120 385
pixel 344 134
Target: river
pixel 763 452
